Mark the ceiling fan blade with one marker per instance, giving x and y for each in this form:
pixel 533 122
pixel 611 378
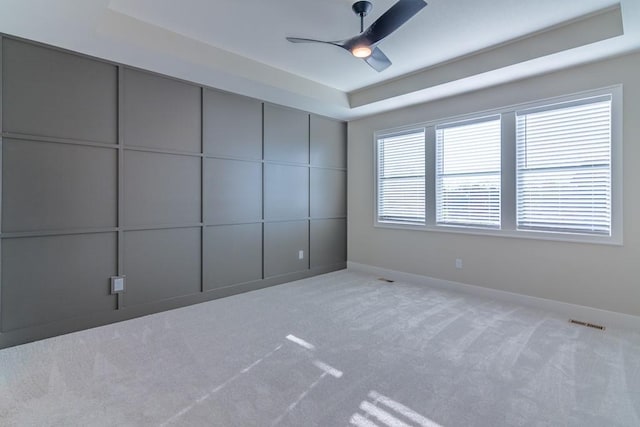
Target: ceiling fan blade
pixel 378 60
pixel 391 20
pixel 302 40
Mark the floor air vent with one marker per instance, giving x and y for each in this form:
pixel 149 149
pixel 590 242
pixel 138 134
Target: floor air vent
pixel 382 279
pixel 588 325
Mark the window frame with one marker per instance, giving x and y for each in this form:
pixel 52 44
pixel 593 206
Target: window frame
pixel 508 198
pixel 396 132
pixel 441 176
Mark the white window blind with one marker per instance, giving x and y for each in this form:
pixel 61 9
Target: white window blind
pixel 401 179
pixel 564 167
pixel 468 173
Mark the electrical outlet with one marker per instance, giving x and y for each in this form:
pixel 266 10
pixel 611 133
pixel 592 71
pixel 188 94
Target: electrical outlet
pixel 117 284
pixel 300 254
pixel 459 263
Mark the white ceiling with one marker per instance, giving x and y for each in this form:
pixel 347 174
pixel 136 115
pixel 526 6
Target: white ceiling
pixel 445 29
pixel 449 47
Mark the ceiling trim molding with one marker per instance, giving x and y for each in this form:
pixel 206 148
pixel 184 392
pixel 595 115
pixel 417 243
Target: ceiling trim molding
pixel 215 67
pixel 602 25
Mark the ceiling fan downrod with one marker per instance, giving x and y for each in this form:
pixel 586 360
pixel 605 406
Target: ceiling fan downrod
pixel 362 9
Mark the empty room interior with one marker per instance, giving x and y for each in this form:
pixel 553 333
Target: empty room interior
pixel 392 213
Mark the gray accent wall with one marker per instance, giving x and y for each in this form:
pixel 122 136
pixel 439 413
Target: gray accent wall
pixel 189 192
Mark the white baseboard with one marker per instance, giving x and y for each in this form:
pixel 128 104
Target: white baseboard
pixel 610 319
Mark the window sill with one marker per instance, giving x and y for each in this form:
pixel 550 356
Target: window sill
pixel 512 234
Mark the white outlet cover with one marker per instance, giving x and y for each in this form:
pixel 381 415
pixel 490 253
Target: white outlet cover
pixel 117 284
pixel 300 254
pixel 458 263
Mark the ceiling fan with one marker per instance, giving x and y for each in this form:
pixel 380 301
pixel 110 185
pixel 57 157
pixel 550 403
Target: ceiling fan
pixel 364 45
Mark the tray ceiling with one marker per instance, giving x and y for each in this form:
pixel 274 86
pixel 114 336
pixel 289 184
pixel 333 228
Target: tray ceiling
pixel 448 48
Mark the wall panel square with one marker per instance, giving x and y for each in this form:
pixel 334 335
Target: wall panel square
pixel 328 142
pixel 282 243
pixel 233 191
pixel 46 92
pixel 232 125
pixel 161 264
pixel 286 192
pixel 48 186
pixel 161 113
pixel 328 242
pixel 46 279
pixel 328 193
pixel 161 188
pixel 233 254
pixel 286 134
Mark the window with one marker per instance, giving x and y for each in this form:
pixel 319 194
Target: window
pixel 468 173
pixel 548 169
pixel 564 167
pixel 401 177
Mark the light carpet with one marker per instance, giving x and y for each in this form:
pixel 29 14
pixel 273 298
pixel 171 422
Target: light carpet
pixel 333 350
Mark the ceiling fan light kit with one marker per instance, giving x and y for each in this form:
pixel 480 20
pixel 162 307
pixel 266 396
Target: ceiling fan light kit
pixel 364 45
pixel 361 51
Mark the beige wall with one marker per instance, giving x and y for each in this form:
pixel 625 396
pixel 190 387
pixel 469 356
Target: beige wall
pixel 600 276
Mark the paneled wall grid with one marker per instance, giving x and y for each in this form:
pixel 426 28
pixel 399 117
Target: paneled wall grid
pixel 189 192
